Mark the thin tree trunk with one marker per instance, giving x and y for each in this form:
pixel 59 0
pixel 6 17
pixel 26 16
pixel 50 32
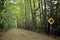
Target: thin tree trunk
pixel 34 17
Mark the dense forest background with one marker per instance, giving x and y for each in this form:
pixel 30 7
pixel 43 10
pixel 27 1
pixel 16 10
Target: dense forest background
pixel 30 14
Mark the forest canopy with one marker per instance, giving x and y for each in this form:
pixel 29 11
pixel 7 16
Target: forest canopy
pixel 30 14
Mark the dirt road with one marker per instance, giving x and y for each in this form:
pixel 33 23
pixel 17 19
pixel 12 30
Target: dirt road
pixel 21 34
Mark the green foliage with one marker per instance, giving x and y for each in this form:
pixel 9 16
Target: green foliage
pixel 28 14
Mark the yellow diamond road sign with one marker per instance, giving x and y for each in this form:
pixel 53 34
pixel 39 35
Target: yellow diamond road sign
pixel 51 20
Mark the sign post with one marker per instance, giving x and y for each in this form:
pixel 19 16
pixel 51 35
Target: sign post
pixel 51 21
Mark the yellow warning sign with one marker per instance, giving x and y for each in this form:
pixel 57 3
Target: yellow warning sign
pixel 51 20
